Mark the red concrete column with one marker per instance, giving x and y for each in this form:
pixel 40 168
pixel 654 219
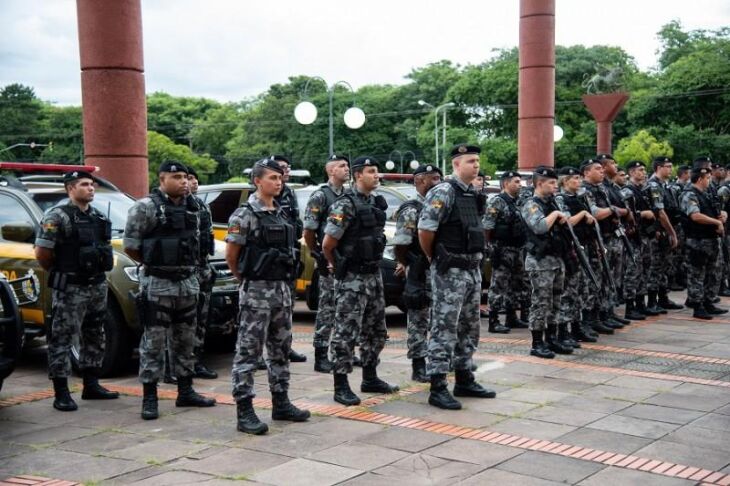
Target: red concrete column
pixel 604 108
pixel 536 103
pixel 113 92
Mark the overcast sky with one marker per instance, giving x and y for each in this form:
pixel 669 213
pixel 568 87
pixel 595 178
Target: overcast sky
pixel 230 50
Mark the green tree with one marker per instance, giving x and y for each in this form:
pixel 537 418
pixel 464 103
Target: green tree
pixel 63 126
pixel 642 146
pixel 175 116
pixel 161 148
pixel 21 114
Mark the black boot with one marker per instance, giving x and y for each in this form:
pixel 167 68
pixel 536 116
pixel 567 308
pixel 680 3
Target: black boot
pixel 701 313
pixel 93 390
pixel 248 421
pixel 322 363
pixel 63 400
pixel 598 325
pixel 605 319
pixel 579 333
pixel 565 337
pixel 612 315
pixel 440 396
pixel 552 341
pixel 149 401
pixel 283 409
pixel 261 364
pixel 187 397
pixel 169 378
pixel 665 303
pixel 356 361
pixel 295 357
pixel 466 386
pixel 372 384
pixel 494 324
pixel 653 306
pixel 513 322
pixel 539 348
pixel 525 314
pixel 202 371
pixel 419 370
pixel 631 312
pixel 343 392
pixel 713 310
pixel 724 290
pixel 641 307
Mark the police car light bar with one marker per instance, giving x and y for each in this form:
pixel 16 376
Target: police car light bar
pixel 32 167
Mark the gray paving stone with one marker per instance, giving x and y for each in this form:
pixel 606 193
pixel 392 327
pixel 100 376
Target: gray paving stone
pixel 292 444
pixel 633 426
pixel 506 478
pixel 690 455
pixel 661 414
pixel 334 428
pixel 534 396
pixel 682 400
pixel 502 406
pixel 643 383
pixel 563 415
pixel 700 437
pixel 434 469
pixel 409 440
pixel 465 417
pixel 473 451
pixel 617 475
pixel 618 393
pixel 591 377
pixel 169 478
pixel 532 428
pixel 103 443
pixel 304 472
pixel 604 440
pixel 231 462
pixel 365 457
pixel 8 449
pixel 12 428
pixel 592 404
pixel 160 450
pixel 551 467
pixel 405 408
pixel 52 435
pixel 384 479
pixel 714 421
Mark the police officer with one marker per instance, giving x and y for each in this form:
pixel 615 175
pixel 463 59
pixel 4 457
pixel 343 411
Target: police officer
pixel 704 226
pixel 206 277
pixel 289 204
pixel 506 236
pixel 678 275
pixel 723 193
pixel 353 246
pixel 413 264
pixel 315 220
pixel 74 247
pixel 260 254
pixel 451 234
pixel 163 234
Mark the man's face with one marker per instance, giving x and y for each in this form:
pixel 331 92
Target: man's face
pixel 594 173
pixel 466 167
pixel 368 178
pixel 572 183
pixel 620 178
pixel 512 186
pixel 547 187
pixel 269 184
pixel 684 177
pixel 478 183
pixel 664 171
pixel 424 182
pixel 193 184
pixel 174 184
pixel 609 167
pixel 704 182
pixel 286 168
pixel 339 170
pixel 638 175
pixel 82 190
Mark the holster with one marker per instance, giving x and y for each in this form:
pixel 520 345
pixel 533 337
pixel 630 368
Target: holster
pixel 57 280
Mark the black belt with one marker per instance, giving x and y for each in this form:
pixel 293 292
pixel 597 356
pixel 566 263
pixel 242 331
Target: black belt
pixel 363 267
pixel 77 279
pixel 174 275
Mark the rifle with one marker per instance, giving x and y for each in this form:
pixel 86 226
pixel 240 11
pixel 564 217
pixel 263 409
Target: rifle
pixel 580 252
pixel 604 259
pixel 621 233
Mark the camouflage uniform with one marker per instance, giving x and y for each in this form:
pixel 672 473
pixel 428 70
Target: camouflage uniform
pixel 723 193
pixel 614 244
pixel 419 320
pixel 547 271
pixel 360 301
pixel 636 275
pixel 455 292
pixel 315 219
pixel 290 206
pixel 205 275
pixel 171 301
pixel 660 248
pixel 264 312
pixel 80 308
pixel 703 246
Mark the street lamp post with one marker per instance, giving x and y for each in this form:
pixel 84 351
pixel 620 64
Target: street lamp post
pixel 436 110
pixel 389 164
pixel 31 145
pixel 306 113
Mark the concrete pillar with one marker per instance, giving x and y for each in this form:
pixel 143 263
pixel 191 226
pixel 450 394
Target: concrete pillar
pixel 604 108
pixel 536 103
pixel 113 91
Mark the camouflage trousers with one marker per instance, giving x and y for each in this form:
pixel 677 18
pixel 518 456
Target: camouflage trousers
pixel 573 297
pixel 264 320
pixel 506 289
pixel 725 260
pixel 636 274
pixel 419 322
pixel 206 280
pixel 547 288
pixel 455 322
pixel 616 251
pixel 325 312
pixel 597 299
pixel 359 319
pixel 660 265
pixel 679 255
pixel 703 260
pixel 171 322
pixel 78 310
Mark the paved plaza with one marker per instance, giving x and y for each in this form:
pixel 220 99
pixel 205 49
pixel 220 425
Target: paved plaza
pixel 648 405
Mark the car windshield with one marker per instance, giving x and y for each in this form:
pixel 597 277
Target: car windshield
pixel 115 204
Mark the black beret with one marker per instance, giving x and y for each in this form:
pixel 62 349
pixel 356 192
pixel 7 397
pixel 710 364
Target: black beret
pixel 634 164
pixel 703 159
pixel 544 171
pixel 334 157
pixel 684 168
pixel 464 149
pixel 172 166
pixel 270 164
pixel 365 161
pixel 426 168
pixel 660 161
pixel 716 165
pixel 587 163
pixel 279 158
pixel 509 174
pixel 701 170
pixel 602 157
pixel 77 174
pixel 191 172
pixel 568 171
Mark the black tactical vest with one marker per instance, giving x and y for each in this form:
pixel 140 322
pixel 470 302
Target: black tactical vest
pixel 174 241
pixel 600 195
pixel 288 202
pixel 207 240
pixel 575 204
pixel 510 229
pixel 269 250
pixel 87 251
pixel 329 197
pixel 701 231
pixel 414 249
pixel 647 227
pixel 546 244
pixel 364 239
pixel 463 232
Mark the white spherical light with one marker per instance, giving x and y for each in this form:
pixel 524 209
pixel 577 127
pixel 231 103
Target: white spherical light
pixel 354 118
pixel 390 165
pixel 305 113
pixel 414 164
pixel 557 133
